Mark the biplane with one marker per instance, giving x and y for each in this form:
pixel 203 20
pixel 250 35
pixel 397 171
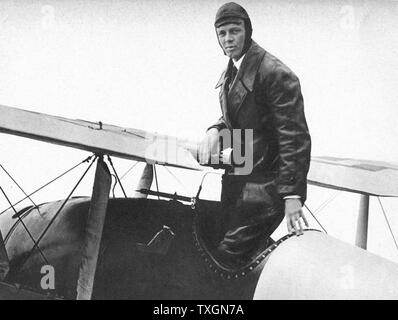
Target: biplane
pixel 142 248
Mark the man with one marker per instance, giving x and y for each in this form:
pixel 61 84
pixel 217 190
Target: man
pixel 259 93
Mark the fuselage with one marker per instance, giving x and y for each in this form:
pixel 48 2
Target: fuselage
pixel 157 249
pixel 125 270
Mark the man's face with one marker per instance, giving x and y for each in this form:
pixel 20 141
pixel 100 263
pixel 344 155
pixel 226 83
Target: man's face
pixel 232 38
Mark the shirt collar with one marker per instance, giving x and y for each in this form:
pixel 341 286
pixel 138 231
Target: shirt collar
pixel 251 63
pixel 239 62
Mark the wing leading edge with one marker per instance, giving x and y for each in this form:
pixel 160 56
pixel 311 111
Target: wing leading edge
pixel 99 138
pixel 359 176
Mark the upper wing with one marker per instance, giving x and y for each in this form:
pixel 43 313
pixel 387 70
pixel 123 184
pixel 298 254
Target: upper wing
pixel 361 176
pixel 99 138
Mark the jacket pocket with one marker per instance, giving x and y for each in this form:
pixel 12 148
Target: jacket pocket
pixel 259 193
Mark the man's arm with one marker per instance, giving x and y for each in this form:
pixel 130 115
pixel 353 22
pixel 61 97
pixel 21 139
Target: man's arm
pixel 294 143
pixel 291 131
pixel 210 144
pixel 219 125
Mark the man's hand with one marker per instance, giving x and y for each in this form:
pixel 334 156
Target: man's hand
pixel 209 147
pixel 294 214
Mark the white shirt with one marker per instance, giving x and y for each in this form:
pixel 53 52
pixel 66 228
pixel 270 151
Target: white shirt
pixel 239 62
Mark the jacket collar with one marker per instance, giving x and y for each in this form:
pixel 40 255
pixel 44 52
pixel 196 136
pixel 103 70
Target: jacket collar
pixel 248 69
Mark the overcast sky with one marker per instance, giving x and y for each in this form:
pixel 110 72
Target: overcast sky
pixel 153 65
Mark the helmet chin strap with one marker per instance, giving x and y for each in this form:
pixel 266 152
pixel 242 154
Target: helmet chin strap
pixel 248 38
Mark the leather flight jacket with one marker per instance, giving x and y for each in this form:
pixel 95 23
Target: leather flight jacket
pixel 265 96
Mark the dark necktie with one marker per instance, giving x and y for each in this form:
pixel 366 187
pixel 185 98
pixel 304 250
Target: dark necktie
pixel 234 71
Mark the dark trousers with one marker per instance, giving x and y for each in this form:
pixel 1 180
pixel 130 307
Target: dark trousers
pixel 248 221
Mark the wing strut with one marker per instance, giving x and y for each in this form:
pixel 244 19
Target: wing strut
pixel 362 223
pixel 94 228
pixel 145 181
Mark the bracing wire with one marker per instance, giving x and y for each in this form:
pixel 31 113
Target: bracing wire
pixel 315 219
pixel 116 175
pixel 114 185
pixel 128 171
pixel 325 203
pixel 25 227
pixel 156 180
pixel 175 177
pixel 20 188
pixel 51 181
pixel 388 223
pixel 201 182
pixel 56 215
